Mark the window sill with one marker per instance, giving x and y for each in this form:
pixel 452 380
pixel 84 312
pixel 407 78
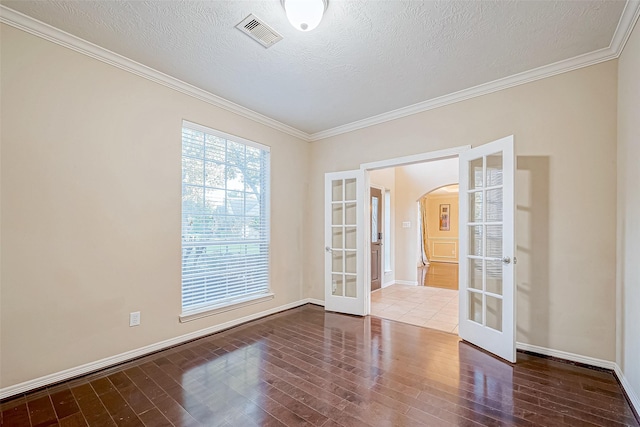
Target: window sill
pixel 217 309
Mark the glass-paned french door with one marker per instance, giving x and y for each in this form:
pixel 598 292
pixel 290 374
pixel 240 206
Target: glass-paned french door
pixel 487 247
pixel 344 290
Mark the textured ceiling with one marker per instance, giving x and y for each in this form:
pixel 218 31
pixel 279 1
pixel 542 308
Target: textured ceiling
pixel 366 57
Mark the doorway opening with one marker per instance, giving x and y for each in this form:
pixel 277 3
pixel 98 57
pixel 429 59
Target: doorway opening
pixel 414 272
pixel 438 233
pixel 487 294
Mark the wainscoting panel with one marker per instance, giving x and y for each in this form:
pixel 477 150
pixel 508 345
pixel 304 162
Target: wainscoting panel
pixel 443 249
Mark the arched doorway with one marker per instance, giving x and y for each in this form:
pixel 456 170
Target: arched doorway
pixel 438 237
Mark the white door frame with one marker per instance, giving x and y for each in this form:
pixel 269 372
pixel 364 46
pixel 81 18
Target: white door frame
pixel 447 153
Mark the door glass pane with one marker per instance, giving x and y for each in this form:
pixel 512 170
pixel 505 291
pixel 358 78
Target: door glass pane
pixel 337 285
pixel 350 213
pixel 337 235
pixel 494 205
pixel 350 262
pixel 350 237
pixel 494 277
pixel 475 173
pixel 494 170
pixel 494 313
pixel 336 214
pixel 336 190
pixel 336 261
pixel 374 220
pixel 475 240
pixel 350 189
pixel 350 286
pixel 475 307
pixel 475 273
pixel 494 241
pixel 475 207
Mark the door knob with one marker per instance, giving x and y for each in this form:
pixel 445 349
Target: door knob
pixel 328 249
pixel 506 260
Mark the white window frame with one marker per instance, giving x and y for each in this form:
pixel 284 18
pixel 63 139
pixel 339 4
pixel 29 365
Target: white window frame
pixel 196 311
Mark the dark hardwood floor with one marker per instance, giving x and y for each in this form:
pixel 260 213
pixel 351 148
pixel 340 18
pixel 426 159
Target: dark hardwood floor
pixel 308 367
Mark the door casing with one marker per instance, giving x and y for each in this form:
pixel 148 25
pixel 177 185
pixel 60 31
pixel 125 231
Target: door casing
pixel 383 164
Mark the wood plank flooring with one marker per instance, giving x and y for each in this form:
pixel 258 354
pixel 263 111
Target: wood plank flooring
pixel 308 367
pixel 439 275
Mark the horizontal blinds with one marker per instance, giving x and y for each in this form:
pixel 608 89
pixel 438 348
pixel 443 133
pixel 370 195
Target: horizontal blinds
pixel 225 218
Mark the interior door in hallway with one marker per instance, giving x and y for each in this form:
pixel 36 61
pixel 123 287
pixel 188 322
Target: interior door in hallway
pixel 375 217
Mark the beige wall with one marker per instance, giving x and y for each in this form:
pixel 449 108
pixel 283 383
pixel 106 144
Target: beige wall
pixel 90 182
pixel 433 203
pixel 629 211
pixel 565 131
pixel 443 245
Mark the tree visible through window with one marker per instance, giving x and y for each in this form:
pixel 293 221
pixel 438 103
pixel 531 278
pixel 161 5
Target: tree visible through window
pixel 225 221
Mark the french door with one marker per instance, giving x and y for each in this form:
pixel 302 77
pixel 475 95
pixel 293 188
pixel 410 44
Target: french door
pixel 487 248
pixel 344 218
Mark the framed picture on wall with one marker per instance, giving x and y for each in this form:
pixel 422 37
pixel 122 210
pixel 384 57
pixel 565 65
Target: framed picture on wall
pixel 445 217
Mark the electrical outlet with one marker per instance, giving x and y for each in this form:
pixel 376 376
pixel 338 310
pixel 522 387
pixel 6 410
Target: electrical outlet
pixel 134 318
pixel 406 224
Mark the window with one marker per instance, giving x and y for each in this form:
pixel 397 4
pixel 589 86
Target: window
pixel 225 219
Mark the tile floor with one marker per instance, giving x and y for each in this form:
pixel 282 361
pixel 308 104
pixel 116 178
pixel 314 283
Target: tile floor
pixel 418 305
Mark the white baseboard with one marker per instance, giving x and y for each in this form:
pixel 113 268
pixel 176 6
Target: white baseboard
pixel 315 301
pixel 132 354
pixel 407 282
pixel 631 394
pixel 600 363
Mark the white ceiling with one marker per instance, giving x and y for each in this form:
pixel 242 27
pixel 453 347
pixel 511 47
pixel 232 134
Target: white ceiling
pixel 446 190
pixel 366 58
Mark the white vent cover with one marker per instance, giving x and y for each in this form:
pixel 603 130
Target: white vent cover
pixel 259 31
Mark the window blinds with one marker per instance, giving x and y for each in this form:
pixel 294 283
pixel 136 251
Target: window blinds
pixel 225 218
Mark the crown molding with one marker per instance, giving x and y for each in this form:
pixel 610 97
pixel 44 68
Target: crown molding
pixel 623 31
pixel 539 73
pixel 625 26
pixel 38 28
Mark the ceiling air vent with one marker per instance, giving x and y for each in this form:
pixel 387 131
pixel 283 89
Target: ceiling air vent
pixel 259 31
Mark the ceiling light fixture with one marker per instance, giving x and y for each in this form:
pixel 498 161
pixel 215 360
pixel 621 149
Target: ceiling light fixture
pixel 305 15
